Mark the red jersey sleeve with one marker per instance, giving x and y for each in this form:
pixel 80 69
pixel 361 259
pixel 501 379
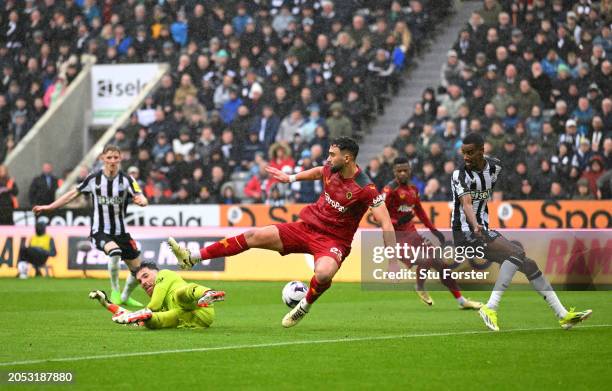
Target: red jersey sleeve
pixel 372 197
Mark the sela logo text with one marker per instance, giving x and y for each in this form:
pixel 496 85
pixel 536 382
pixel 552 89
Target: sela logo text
pixel 480 195
pixel 108 88
pixel 102 200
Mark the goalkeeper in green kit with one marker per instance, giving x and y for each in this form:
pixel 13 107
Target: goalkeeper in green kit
pixel 174 303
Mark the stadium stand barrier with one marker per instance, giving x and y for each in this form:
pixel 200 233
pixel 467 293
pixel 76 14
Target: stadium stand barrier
pixel 56 138
pixel 90 158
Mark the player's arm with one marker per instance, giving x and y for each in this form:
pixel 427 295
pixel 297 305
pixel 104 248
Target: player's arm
pixel 381 214
pixel 136 192
pixel 388 201
pixel 307 175
pixel 162 286
pixel 420 212
pixel 63 200
pixel 466 204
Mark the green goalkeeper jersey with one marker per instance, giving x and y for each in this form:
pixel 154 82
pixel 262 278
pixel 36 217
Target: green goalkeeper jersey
pixel 164 296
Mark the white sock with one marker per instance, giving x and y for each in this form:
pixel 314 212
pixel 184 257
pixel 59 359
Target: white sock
pixel 23 267
pixel 304 304
pixel 506 272
pixel 113 270
pixel 130 284
pixel 460 300
pixel 544 288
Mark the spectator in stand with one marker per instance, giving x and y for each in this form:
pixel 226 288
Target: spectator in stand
pixel 8 196
pixel 43 187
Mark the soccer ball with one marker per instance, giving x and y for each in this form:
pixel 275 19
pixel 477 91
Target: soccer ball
pixel 293 292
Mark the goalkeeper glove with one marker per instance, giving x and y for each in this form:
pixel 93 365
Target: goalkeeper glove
pixel 133 317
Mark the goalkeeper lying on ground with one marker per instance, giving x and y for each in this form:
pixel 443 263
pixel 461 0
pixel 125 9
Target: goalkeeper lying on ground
pixel 174 302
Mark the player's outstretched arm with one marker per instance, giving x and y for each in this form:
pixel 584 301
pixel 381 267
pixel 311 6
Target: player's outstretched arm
pixel 466 204
pixel 63 200
pixel 308 175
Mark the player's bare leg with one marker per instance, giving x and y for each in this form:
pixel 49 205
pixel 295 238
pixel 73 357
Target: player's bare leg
pixel 267 238
pixel 326 268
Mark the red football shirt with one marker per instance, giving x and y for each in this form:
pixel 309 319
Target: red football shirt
pixel 342 204
pixel 403 200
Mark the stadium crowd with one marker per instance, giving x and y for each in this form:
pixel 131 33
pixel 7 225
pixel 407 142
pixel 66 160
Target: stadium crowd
pixel 272 81
pixel 255 83
pixel 39 57
pixel 534 78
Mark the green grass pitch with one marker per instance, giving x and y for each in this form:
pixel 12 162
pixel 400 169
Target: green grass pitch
pixel 352 339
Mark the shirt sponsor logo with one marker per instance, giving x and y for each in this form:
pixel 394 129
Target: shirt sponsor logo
pixel 404 208
pixel 103 200
pixel 334 204
pixel 480 195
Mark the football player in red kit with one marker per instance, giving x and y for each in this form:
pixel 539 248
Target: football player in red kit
pixel 403 203
pixel 325 230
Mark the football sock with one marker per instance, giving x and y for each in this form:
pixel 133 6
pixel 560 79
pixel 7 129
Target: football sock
pixel 224 248
pixel 506 272
pixel 114 308
pixel 130 284
pixel 113 268
pixel 544 288
pixel 315 290
pixel 449 282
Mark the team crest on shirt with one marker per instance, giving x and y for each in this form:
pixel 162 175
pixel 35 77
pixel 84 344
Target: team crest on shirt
pixel 349 195
pixel 402 195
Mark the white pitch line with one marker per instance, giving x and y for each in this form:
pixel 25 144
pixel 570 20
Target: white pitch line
pixel 276 344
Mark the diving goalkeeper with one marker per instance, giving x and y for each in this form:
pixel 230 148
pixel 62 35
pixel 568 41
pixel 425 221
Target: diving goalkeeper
pixel 174 302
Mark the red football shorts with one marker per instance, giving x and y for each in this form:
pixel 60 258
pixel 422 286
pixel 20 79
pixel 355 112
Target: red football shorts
pixel 299 237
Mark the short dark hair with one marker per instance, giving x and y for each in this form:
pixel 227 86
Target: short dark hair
pixel 145 265
pixel 346 144
pixel 400 160
pixel 474 138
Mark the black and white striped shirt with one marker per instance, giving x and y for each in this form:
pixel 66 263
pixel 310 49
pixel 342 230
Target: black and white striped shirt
pixel 480 185
pixel 110 200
